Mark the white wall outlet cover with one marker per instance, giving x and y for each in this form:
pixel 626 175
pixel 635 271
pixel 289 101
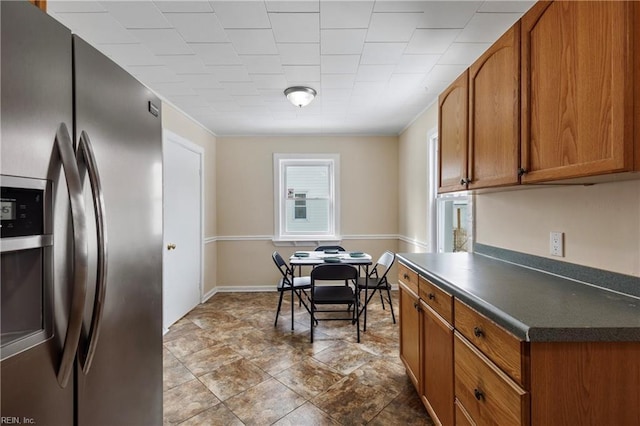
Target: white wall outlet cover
pixel 556 243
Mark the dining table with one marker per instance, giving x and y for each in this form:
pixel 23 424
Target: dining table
pixel 300 259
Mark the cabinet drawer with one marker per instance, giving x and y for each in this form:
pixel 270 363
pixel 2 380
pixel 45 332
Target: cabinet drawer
pixel 462 417
pixel 408 277
pixel 487 394
pixel 502 347
pixel 439 300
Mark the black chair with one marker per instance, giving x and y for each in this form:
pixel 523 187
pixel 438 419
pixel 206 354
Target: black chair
pixel 377 282
pixel 288 282
pixel 331 294
pixel 323 248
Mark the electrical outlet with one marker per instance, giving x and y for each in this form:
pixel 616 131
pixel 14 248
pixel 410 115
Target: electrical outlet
pixel 556 244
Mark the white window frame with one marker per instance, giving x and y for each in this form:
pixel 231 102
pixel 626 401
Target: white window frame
pixel 280 162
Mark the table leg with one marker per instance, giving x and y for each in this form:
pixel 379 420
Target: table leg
pixel 366 294
pixel 293 293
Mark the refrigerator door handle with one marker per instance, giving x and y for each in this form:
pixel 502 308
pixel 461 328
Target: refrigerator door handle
pixel 85 155
pixel 80 252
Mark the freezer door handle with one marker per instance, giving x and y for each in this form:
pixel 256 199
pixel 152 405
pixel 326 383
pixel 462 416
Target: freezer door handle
pixel 87 158
pixel 80 252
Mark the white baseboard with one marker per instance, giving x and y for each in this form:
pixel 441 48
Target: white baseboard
pixel 250 289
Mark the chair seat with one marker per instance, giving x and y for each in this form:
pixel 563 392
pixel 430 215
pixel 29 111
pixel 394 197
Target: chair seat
pixel 378 283
pixel 327 295
pixel 298 282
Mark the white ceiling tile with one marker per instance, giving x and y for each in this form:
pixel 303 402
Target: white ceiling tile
pixel 299 53
pixel 368 89
pixel 385 27
pixel 186 101
pixel 447 14
pixel 216 95
pixel 431 41
pixel 201 81
pixel 262 64
pixel 240 88
pixel 409 64
pixel 345 14
pixel 216 53
pixel 374 72
pixel 293 6
pixel 269 81
pixel 404 82
pixel 306 73
pixel 183 6
pixel 382 53
pixel 487 27
pixel 443 73
pixel 171 89
pixel 295 27
pixel 74 6
pixel 463 53
pixel 337 81
pixel 253 42
pixel 162 41
pixel 339 64
pixel 96 27
pixel 519 6
pixel 230 73
pixel 130 54
pixel 198 27
pixel 184 64
pixel 154 74
pixel 398 6
pixel 242 14
pixel 342 42
pixel 137 14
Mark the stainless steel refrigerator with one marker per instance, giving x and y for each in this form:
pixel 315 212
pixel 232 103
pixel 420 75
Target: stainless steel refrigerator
pixel 81 246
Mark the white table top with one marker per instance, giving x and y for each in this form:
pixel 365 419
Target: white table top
pixel 317 257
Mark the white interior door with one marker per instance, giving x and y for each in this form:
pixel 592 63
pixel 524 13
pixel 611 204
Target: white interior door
pixel 182 260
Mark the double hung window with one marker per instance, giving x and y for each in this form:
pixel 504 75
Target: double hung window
pixel 306 188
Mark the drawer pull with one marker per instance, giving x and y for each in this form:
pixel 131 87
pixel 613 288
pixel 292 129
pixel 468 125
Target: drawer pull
pixel 431 296
pixel 406 276
pixel 416 305
pixel 478 394
pixel 478 332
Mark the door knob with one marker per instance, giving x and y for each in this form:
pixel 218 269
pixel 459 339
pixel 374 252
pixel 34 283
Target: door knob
pixel 171 246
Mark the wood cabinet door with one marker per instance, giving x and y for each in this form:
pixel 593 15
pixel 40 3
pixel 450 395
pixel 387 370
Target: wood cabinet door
pixel 453 135
pixel 437 366
pixel 577 89
pixel 494 114
pixel 410 333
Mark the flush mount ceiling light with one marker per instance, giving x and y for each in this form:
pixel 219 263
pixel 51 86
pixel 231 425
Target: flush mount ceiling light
pixel 300 96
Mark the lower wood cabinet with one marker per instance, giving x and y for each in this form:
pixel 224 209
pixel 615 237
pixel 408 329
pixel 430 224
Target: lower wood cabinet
pixel 409 333
pixel 468 370
pixel 437 365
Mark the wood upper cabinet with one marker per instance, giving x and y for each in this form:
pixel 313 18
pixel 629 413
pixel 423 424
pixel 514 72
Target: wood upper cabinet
pixel 578 89
pixel 453 117
pixel 494 114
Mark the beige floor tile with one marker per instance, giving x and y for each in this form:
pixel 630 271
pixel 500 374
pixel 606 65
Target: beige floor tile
pixel 174 373
pixel 307 414
pixel 264 403
pixel 186 400
pixel 233 378
pixel 210 359
pixel 216 416
pixel 308 378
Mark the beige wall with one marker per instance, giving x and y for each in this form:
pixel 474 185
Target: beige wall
pixel 413 188
pixel 601 223
pixel 245 217
pixel 177 122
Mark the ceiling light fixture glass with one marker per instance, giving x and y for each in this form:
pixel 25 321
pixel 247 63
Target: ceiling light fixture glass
pixel 300 96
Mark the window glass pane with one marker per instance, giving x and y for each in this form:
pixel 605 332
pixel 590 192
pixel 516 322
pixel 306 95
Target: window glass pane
pixel 316 221
pixel 312 180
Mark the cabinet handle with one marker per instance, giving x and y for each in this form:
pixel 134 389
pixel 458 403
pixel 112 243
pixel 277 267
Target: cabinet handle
pixel 521 171
pixel 416 305
pixel 431 296
pixel 478 394
pixel 463 181
pixel 406 277
pixel 477 331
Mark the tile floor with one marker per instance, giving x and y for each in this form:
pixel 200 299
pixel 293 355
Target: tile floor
pixel 226 364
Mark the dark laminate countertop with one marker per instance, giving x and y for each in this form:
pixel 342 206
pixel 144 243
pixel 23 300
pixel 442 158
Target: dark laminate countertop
pixel 533 305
